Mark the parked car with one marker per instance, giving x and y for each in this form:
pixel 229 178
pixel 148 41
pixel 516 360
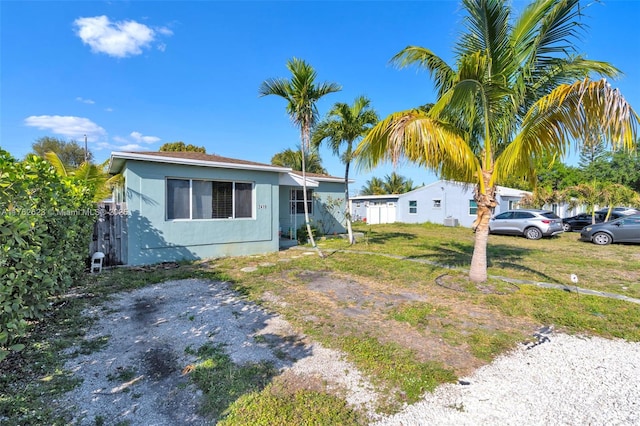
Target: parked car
pixel 579 221
pixel 530 223
pixel 622 230
pixel 618 211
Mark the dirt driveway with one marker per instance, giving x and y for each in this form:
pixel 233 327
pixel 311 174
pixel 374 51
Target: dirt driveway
pixel 137 377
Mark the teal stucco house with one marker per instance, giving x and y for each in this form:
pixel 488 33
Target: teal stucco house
pixel 189 205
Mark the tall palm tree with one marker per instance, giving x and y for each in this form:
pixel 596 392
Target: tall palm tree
pixel 344 125
pixel 293 159
pixel 301 93
pixel 517 92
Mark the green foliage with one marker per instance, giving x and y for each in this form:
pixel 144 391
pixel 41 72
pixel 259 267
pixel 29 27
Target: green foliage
pixel 304 407
pixel 181 147
pixel 293 159
pixel 71 153
pixel 303 235
pixel 392 184
pixel 223 382
pixel 45 229
pixel 397 366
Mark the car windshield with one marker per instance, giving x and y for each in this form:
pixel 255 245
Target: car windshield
pixel 550 215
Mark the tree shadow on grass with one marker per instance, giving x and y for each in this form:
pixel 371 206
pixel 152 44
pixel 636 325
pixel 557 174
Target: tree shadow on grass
pixel 458 255
pixel 374 237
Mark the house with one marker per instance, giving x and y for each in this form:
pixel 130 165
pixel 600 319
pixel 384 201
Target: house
pixel 445 202
pixel 190 205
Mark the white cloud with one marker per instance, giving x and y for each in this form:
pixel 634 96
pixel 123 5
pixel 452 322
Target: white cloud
pixel 131 147
pixel 120 139
pixel 69 126
pixel 138 137
pixel 85 101
pixel 109 109
pixel 118 39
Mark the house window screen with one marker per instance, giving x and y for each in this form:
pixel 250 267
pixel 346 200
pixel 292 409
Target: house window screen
pixel 244 199
pixel 297 201
pixel 201 199
pixel 222 202
pixel 177 199
pixel 413 206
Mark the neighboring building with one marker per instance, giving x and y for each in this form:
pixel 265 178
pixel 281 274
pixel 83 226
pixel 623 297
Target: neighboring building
pixel 444 202
pixel 189 205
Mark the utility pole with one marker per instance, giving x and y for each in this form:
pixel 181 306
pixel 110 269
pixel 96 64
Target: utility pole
pixel 86 151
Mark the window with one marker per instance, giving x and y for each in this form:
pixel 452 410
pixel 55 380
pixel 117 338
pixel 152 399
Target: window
pixel 473 207
pixel 413 206
pixel 203 199
pixel 296 201
pixel 437 204
pixel 513 205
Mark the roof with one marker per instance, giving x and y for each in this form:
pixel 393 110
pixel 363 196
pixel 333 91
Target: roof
pixel 320 177
pixel 189 158
pixel 118 160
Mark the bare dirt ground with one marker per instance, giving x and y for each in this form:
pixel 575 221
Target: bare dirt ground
pixel 138 377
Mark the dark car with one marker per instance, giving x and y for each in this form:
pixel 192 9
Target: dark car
pixel 579 221
pixel 530 223
pixel 623 230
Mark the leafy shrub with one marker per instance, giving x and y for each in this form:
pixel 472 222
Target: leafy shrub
pixel 45 229
pixel 303 236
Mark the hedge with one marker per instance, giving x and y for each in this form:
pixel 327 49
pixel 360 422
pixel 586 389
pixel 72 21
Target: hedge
pixel 45 230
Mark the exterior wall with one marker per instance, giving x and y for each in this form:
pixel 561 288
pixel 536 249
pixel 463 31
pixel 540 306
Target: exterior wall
pixel 436 202
pixel 328 209
pixel 374 209
pixel 152 238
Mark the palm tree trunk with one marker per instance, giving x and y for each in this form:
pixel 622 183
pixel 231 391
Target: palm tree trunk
pixel 347 213
pixel 306 208
pixel 486 202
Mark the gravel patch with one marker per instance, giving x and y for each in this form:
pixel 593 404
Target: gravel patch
pixel 137 379
pixel 566 380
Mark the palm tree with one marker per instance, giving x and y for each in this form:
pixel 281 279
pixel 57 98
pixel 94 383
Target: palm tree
pixel 293 159
pixel 589 194
pixel 615 194
pixel 516 93
pixel 344 125
pixel 301 94
pixel 94 176
pixel 396 184
pixel 375 186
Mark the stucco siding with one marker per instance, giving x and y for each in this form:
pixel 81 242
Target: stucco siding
pixel 153 238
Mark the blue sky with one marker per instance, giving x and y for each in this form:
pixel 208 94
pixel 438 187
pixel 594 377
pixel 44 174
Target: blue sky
pixel 132 75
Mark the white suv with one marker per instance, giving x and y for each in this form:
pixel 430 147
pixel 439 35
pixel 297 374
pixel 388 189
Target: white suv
pixel 531 223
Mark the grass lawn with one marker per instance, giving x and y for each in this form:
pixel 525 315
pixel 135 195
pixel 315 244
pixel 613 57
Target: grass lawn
pixel 407 324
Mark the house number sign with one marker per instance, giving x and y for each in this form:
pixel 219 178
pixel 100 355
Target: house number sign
pixel 262 206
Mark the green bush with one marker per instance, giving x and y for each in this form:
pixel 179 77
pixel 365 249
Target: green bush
pixel 45 230
pixel 303 236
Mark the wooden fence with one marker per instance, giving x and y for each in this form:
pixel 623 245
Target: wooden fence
pixel 109 232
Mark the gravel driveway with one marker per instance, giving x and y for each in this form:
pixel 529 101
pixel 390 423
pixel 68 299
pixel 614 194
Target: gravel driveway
pixel 137 378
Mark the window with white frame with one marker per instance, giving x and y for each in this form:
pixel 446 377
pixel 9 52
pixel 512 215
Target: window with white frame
pixel 206 199
pixel 437 203
pixel 413 206
pixel 473 207
pixel 296 201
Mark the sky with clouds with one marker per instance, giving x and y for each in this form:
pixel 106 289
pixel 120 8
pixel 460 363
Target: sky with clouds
pixel 132 75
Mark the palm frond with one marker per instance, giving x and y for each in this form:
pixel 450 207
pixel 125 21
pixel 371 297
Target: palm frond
pixel 442 74
pixel 56 162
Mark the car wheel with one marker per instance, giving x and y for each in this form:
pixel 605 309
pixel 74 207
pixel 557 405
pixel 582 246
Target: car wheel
pixel 533 233
pixel 566 227
pixel 602 238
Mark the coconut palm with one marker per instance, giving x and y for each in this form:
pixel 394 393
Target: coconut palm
pixel 293 159
pixel 517 92
pixel 396 184
pixel 374 186
pixel 615 194
pixel 301 93
pixel 94 176
pixel 344 125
